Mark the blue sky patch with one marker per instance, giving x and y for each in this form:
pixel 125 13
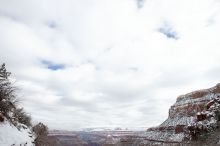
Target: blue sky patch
pixel 51 24
pixel 140 3
pixel 52 66
pixel 168 31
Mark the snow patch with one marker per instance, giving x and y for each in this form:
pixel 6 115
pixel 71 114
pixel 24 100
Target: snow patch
pixel 12 136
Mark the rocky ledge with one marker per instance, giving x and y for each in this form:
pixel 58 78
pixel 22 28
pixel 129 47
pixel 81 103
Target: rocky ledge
pixel 188 110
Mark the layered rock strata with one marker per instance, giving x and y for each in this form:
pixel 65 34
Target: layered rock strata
pixel 182 114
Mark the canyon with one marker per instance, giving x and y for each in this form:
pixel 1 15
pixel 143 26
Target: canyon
pixel 185 112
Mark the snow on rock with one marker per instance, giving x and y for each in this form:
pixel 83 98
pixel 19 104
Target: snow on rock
pixel 178 121
pixel 164 136
pixel 188 109
pixel 183 112
pixel 13 136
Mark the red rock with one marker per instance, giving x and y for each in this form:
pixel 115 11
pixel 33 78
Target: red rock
pixel 179 129
pixel 162 128
pixel 193 102
pixel 198 94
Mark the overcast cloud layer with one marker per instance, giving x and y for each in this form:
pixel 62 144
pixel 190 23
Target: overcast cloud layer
pixel 92 63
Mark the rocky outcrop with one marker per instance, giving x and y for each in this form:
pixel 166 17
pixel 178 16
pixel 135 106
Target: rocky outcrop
pixel 189 104
pixel 184 113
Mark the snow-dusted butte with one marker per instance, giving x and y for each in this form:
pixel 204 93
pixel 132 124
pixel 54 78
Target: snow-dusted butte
pixel 13 136
pixel 185 113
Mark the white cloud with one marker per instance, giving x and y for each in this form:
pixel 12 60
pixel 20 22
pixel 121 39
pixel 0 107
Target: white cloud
pixel 118 66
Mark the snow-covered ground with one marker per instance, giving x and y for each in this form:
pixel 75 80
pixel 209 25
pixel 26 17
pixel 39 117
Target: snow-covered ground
pixel 11 136
pixel 164 136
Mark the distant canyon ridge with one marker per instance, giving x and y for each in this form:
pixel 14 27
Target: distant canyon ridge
pixel 192 115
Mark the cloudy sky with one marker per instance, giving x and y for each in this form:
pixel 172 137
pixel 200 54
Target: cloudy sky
pixel 92 63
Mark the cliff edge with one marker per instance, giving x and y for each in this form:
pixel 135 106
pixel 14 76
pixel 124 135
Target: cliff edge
pixel 189 110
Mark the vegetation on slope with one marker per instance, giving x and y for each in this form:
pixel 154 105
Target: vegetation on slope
pixel 10 111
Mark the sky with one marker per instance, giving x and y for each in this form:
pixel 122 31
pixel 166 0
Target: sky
pixel 108 63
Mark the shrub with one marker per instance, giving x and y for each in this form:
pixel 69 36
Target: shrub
pixel 8 101
pixel 20 116
pixel 42 139
pixel 7 96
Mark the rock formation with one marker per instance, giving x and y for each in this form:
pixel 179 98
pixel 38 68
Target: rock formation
pixel 188 109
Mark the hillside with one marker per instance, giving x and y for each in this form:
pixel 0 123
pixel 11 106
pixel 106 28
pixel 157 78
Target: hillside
pixel 13 136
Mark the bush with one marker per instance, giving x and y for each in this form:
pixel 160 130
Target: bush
pixel 41 132
pixel 40 129
pixel 42 139
pixel 20 116
pixel 8 101
pixel 7 97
